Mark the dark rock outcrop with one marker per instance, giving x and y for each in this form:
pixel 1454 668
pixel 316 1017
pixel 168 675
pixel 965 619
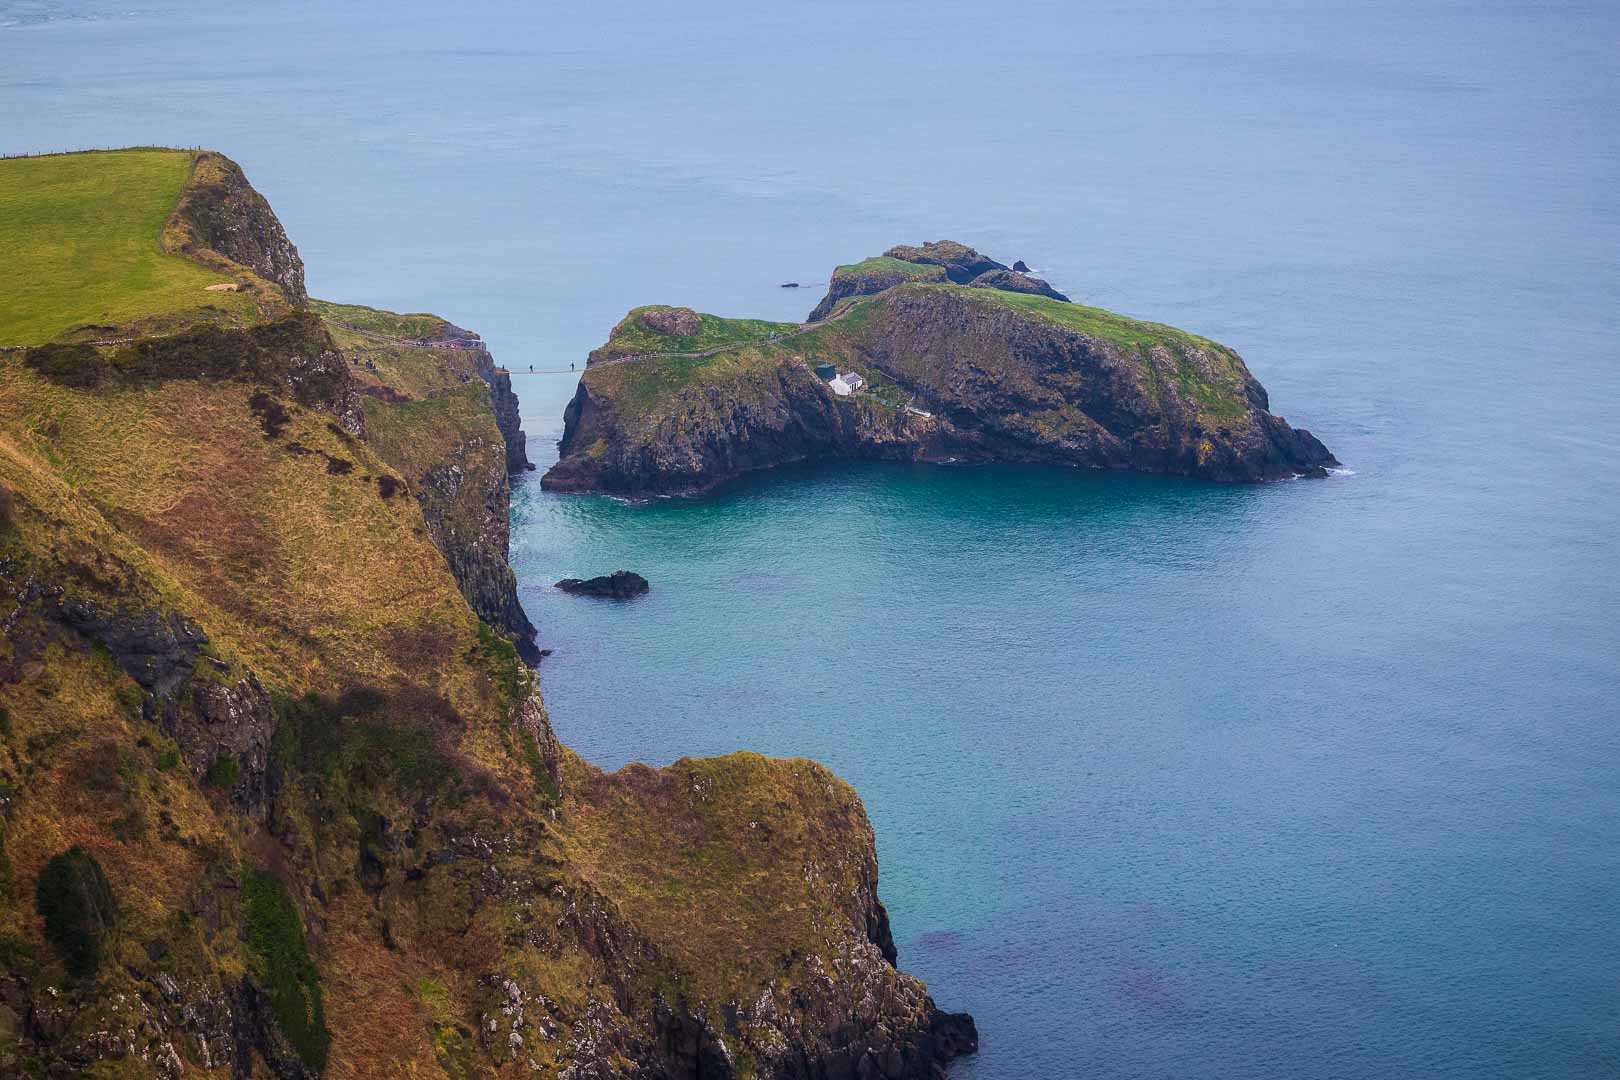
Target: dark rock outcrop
pixel 292 354
pixel 936 261
pixel 159 650
pixel 1012 281
pixel 961 263
pixel 467 508
pixel 870 278
pixel 674 321
pixel 619 585
pixel 787 416
pixel 1021 266
pixel 220 213
pixel 505 406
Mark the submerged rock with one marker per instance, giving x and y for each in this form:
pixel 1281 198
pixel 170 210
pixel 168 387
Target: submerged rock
pixel 619 585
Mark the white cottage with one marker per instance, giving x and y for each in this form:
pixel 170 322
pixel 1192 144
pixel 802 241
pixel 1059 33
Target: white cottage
pixel 846 383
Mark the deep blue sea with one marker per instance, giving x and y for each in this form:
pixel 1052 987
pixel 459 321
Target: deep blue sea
pixel 1318 779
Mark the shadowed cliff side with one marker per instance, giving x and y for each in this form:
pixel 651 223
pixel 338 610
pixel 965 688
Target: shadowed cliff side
pixel 443 415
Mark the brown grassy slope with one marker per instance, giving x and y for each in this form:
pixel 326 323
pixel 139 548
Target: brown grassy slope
pixel 340 730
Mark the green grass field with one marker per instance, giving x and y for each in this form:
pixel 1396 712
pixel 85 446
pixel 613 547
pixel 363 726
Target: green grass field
pixel 887 264
pixel 1093 322
pixel 80 237
pixel 632 336
pixel 369 320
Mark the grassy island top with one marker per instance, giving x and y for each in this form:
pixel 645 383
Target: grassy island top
pixel 634 333
pixel 737 353
pixel 887 264
pixel 1093 322
pixel 81 237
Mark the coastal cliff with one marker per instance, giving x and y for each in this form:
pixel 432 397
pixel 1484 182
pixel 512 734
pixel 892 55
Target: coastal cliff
pixel 443 415
pixel 276 801
pixel 961 360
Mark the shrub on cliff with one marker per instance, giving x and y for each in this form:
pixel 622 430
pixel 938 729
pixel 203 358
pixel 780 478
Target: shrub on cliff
pixel 275 933
pixel 79 366
pixel 76 901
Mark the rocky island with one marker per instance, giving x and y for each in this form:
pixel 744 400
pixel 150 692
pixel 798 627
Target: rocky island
pixel 958 358
pixel 279 795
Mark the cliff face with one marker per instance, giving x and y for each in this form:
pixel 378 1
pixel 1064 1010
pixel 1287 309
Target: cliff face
pixel 221 217
pixel 274 800
pixel 871 277
pixel 1001 369
pixel 961 263
pixel 1088 391
pixel 444 417
pixel 783 414
pixel 504 405
pixel 1013 281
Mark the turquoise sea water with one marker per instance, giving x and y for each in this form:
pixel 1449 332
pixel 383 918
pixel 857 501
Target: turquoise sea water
pixel 1319 779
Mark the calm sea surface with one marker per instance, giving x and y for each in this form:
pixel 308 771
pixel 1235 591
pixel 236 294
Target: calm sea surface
pixel 1320 779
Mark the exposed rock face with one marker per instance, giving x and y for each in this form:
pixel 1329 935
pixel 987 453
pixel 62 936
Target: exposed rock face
pixel 961 263
pixel 786 415
pixel 1021 266
pixel 220 212
pixel 619 585
pixel 1177 405
pixel 675 321
pixel 458 464
pixel 870 278
pixel 507 418
pixel 882 1023
pixel 1013 281
pixel 936 261
pixel 212 712
pixel 465 505
pixel 1002 370
pixel 230 723
pixel 158 650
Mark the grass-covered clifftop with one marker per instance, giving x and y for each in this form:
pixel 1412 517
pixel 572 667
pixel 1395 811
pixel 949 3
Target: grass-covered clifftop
pixel 963 360
pixel 112 244
pixel 275 800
